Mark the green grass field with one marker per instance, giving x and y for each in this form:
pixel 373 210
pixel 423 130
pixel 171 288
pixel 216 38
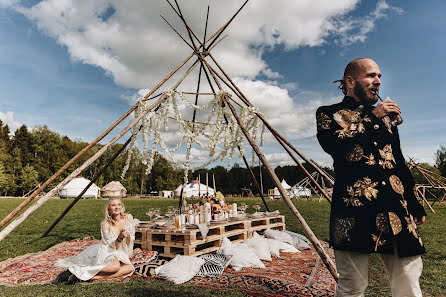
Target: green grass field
pixel 85 217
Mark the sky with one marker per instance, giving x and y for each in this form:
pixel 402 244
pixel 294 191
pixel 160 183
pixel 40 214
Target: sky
pixel 77 66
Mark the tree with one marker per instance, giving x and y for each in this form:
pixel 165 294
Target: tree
pixel 28 179
pixel 440 160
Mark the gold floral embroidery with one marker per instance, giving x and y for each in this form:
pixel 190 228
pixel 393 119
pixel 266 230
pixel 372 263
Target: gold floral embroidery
pixel 353 201
pixel 382 223
pixel 379 242
pixel 395 223
pixel 370 160
pixel 412 228
pixel 387 156
pixel 357 154
pixel 387 123
pixel 323 121
pixel 366 188
pixel 341 230
pixel 350 122
pixel 396 184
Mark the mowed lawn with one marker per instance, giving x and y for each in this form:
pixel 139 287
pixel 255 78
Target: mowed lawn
pixel 84 220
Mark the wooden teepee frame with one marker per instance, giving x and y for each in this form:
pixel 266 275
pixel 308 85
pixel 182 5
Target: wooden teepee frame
pixel 434 181
pixel 306 182
pixel 215 76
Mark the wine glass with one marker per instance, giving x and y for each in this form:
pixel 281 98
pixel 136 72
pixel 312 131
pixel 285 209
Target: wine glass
pixel 157 212
pixel 256 207
pixel 150 213
pixel 243 207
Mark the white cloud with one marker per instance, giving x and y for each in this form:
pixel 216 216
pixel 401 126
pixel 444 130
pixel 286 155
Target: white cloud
pixel 279 159
pixel 130 42
pixel 8 119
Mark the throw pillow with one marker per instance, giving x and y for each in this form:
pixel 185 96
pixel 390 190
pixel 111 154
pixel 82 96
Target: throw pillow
pixel 288 238
pixel 148 269
pixel 181 269
pixel 259 246
pixel 214 265
pixel 242 255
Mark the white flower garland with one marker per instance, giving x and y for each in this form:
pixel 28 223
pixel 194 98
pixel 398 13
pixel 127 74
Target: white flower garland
pixel 212 134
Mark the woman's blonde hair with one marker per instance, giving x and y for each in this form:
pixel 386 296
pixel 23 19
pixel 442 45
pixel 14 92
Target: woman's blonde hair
pixel 107 217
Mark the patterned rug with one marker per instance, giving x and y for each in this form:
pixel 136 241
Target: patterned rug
pixel 285 276
pixel 38 268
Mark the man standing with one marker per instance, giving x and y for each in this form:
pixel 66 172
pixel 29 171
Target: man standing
pixel 374 209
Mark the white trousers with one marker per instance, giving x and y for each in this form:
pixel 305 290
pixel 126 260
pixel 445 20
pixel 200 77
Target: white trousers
pixel 404 274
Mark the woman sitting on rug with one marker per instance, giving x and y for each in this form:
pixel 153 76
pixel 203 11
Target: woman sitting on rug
pixel 108 259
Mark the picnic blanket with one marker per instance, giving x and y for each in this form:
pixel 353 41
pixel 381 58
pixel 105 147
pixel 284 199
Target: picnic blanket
pixel 285 276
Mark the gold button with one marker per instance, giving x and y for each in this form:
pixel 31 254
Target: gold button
pixel 383 183
pixel 376 126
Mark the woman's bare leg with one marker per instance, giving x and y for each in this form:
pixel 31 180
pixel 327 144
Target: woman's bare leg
pixel 111 268
pixel 124 269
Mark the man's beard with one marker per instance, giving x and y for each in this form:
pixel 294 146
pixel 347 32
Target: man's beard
pixel 363 96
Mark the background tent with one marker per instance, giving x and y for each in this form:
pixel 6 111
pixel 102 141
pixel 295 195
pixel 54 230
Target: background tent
pixel 75 187
pixel 299 191
pixel 275 192
pixel 194 189
pixel 113 189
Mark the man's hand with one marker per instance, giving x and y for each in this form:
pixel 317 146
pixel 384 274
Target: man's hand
pixel 386 107
pixel 420 221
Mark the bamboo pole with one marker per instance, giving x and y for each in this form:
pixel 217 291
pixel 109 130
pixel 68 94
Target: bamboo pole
pixel 207 187
pixel 280 140
pixel 255 181
pixel 317 245
pixel 84 150
pixel 238 147
pixel 93 180
pixel 240 94
pixel 215 188
pixel 87 163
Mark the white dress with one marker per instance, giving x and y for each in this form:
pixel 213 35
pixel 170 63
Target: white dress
pixel 94 258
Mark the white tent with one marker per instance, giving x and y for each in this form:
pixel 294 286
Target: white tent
pixel 113 189
pixel 75 187
pixel 276 192
pixel 299 191
pixel 194 189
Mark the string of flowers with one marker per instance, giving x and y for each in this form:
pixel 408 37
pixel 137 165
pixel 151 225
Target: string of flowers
pixel 219 138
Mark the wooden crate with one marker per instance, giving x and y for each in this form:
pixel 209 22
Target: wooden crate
pixel 170 242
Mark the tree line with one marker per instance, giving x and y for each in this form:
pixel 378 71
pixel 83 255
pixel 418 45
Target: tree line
pixel 31 156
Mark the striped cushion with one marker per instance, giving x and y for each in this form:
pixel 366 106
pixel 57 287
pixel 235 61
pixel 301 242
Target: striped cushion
pixel 214 265
pixel 148 269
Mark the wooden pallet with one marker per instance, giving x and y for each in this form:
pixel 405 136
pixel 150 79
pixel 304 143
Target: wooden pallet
pixel 189 242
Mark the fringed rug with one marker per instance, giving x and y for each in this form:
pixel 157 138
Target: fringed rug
pixel 38 268
pixel 285 276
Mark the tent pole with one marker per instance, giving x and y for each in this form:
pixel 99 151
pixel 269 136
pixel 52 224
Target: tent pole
pixel 84 150
pixel 317 245
pixel 280 140
pixel 247 102
pixel 238 147
pixel 93 180
pixel 87 163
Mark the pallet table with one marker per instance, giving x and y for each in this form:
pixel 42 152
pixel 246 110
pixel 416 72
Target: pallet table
pixel 189 242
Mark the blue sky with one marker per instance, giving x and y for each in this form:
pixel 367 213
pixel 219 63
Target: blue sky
pixel 77 72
